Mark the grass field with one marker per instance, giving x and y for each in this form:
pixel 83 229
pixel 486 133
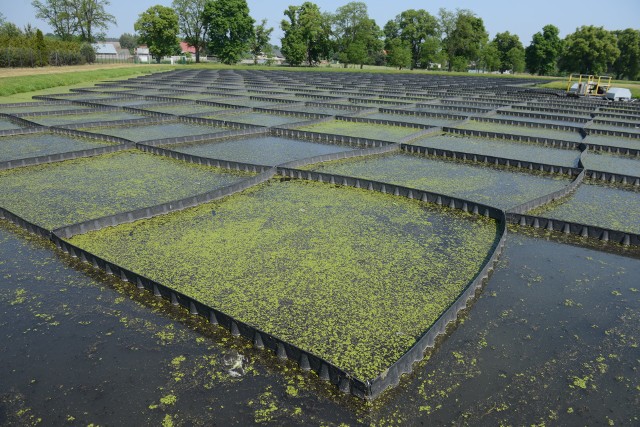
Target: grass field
pixel 19 85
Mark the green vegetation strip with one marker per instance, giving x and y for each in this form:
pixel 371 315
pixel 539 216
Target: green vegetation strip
pixel 14 85
pixel 350 275
pixel 64 193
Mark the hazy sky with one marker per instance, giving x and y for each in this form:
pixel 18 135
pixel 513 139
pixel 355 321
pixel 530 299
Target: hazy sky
pixel 523 18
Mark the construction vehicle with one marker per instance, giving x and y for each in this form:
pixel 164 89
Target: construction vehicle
pixel 587 85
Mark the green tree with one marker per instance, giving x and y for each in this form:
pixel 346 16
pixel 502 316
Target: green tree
pixel 261 40
pixel 69 18
pixel 398 53
pixel 516 60
pixel 541 56
pixel 158 29
pixel 60 15
pixel 489 57
pixel 192 23
pixel 509 60
pixel 92 19
pixel 589 50
pixel 41 49
pixel 230 29
pixel 464 37
pixel 10 30
pixel 414 27
pixel 357 35
pixel 306 34
pixel 628 63
pixel 128 41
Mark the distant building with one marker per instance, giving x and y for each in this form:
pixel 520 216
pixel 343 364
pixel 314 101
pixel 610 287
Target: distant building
pixel 105 50
pixel 142 54
pixel 187 48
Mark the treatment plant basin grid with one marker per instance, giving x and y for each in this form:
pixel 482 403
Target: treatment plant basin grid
pixel 331 209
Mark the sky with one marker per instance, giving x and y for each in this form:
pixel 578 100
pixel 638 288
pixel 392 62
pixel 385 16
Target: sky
pixel 523 18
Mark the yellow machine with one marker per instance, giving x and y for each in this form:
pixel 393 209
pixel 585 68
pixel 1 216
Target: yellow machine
pixel 588 85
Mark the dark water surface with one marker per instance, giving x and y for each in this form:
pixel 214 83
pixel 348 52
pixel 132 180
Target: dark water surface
pixel 553 339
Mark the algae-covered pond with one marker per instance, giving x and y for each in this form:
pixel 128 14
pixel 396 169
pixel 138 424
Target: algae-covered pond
pixel 541 329
pixel 350 275
pixel 611 163
pixel 362 130
pixel 148 132
pixel 613 141
pixel 258 119
pixel 523 130
pixel 552 339
pixel 6 124
pixel 106 116
pixel 502 148
pixel 602 206
pixel 42 144
pixel 73 191
pixel 268 151
pixel 411 118
pixel 494 187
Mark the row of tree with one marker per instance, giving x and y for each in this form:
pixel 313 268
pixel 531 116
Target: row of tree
pixel 223 28
pixel 28 47
pixel 456 39
pixel 86 20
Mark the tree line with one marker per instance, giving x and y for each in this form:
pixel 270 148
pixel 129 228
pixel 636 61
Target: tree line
pixel 454 39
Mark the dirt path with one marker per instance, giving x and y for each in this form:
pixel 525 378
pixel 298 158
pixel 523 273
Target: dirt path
pixel 16 72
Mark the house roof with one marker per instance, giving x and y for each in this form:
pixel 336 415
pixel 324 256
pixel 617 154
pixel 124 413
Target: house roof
pixel 105 48
pixel 185 47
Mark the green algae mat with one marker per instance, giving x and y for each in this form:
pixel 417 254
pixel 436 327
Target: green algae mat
pixel 34 145
pixel 494 187
pixel 599 205
pixel 64 193
pixel 350 275
pixel 362 130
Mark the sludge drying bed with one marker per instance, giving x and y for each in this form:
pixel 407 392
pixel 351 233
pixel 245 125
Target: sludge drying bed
pixel 362 130
pixel 352 276
pixel 266 150
pixel 481 184
pixel 68 119
pixel 446 384
pixel 593 204
pixel 16 147
pixel 64 193
pixel 501 148
pixel 148 132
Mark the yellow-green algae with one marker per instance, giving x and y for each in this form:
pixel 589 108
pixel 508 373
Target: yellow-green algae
pixel 362 130
pixel 64 193
pixel 599 205
pixel 350 275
